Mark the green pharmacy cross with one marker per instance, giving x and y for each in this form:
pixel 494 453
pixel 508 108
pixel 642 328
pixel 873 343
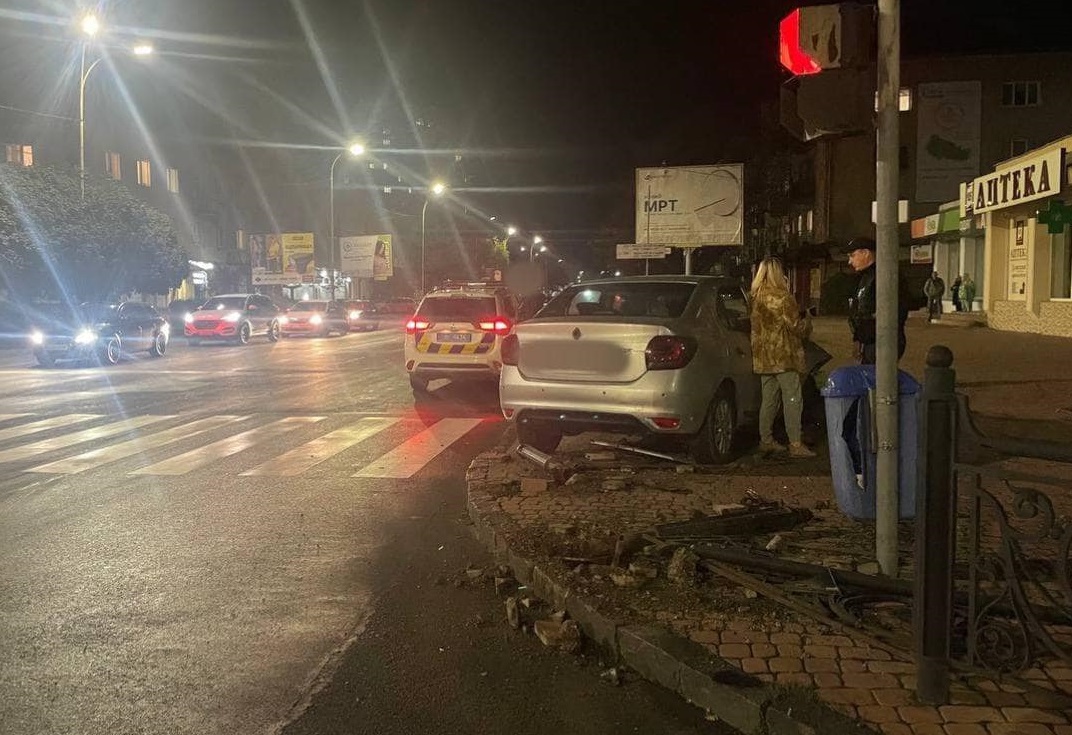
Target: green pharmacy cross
pixel 1056 217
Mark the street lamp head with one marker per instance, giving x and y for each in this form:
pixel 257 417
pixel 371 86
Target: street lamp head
pixel 537 240
pixel 90 25
pixel 143 49
pixel 511 231
pixel 356 149
pixel 523 248
pixel 438 188
pixel 543 248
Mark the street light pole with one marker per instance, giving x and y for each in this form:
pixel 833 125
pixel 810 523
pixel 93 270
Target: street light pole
pixel 82 117
pixel 355 150
pixel 437 189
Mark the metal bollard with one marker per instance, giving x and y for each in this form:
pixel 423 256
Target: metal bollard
pixel 936 505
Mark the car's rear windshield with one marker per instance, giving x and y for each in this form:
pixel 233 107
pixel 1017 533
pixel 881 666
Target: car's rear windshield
pixel 615 300
pixel 310 306
pixel 225 302
pixel 458 308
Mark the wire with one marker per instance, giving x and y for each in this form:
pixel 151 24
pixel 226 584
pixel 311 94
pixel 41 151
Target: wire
pixel 34 112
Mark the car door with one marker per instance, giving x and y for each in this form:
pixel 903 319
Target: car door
pixel 732 318
pixel 266 311
pixel 130 325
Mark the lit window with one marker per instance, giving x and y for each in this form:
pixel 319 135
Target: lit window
pixel 904 100
pixel 145 177
pixel 113 165
pixel 173 180
pixel 1021 94
pixel 20 155
pixel 1017 147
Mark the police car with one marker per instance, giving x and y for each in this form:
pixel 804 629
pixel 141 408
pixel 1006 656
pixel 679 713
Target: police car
pixel 457 333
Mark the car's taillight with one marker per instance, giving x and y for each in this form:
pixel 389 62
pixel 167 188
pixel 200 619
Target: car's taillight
pixel 669 353
pixel 415 325
pixel 498 325
pixel 510 350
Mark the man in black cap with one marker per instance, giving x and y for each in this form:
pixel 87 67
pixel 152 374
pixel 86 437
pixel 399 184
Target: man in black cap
pixel 863 304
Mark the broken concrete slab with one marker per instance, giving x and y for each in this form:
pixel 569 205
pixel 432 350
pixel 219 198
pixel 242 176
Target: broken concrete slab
pixel 565 635
pixel 682 567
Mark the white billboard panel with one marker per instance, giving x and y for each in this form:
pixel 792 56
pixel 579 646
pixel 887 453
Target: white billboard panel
pixel 690 206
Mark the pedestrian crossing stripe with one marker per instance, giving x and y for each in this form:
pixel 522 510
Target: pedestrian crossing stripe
pixel 402 462
pixel 36 427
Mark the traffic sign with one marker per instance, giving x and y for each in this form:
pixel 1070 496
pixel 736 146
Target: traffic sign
pixel 632 251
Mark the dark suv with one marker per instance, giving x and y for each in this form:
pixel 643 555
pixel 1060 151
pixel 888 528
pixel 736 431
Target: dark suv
pixel 236 317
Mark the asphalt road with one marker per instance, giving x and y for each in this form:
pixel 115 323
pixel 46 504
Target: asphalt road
pixel 262 539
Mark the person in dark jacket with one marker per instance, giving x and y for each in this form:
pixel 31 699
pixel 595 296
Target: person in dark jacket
pixel 864 302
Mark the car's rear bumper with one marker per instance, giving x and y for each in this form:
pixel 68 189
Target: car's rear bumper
pixel 602 406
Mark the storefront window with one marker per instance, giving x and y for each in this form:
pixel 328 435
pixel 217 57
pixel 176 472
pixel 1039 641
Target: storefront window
pixel 1061 266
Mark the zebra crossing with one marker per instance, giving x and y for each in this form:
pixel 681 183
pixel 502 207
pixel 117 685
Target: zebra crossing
pixel 399 446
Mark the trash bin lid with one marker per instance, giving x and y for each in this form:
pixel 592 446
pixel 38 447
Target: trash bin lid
pixel 857 380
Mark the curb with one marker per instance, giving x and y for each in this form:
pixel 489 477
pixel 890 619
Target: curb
pixel 660 656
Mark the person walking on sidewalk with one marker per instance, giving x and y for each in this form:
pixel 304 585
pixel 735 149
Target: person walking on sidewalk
pixel 968 289
pixel 778 332
pixel 955 292
pixel 863 305
pixel 934 289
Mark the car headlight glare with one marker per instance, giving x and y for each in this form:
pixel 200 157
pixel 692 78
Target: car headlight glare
pixel 234 316
pixel 85 337
pixel 316 319
pixel 355 314
pixel 282 320
pixel 37 338
pixel 188 318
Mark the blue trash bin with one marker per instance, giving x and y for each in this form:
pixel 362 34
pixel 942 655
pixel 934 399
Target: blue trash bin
pixel 853 460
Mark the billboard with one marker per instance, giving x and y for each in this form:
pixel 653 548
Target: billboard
pixel 947 138
pixel 282 258
pixel 367 256
pixel 690 206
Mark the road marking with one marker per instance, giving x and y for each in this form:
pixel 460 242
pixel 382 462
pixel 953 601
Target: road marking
pixel 36 427
pixel 10 416
pixel 27 451
pixel 105 455
pixel 407 459
pixel 197 458
pixel 311 453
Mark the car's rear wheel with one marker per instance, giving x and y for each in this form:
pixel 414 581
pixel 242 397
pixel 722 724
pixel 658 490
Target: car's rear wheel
pixel 245 332
pixel 543 437
pixel 717 439
pixel 159 346
pixel 273 331
pixel 111 351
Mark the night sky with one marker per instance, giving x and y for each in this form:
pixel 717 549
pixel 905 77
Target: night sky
pixel 555 102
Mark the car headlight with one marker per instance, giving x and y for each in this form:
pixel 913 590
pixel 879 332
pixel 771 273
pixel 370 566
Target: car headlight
pixel 234 316
pixel 188 318
pixel 165 328
pixel 316 319
pixel 85 337
pixel 355 314
pixel 282 320
pixel 37 338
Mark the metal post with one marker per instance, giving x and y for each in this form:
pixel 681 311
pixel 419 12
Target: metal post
pixel 935 527
pixel 82 77
pixel 424 210
pixel 331 239
pixel 886 276
pixel 688 261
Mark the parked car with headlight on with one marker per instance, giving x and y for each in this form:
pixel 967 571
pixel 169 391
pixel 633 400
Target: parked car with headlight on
pixel 650 355
pixel 102 332
pixel 233 317
pixel 314 319
pixel 363 316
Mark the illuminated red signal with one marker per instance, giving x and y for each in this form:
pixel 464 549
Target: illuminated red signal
pixel 790 53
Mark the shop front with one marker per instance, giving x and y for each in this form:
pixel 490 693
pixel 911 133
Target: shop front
pixel 1028 250
pixel 954 247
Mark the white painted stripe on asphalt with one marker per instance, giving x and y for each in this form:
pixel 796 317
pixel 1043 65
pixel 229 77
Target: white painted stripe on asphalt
pixel 406 460
pixel 197 458
pixel 105 455
pixel 36 427
pixel 311 453
pixel 28 451
pixel 10 416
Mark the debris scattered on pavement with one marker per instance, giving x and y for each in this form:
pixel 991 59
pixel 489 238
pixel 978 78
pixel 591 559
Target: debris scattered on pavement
pixel 775 543
pixel 1065 413
pixel 613 485
pixel 546 462
pixel 612 676
pixel 564 635
pixel 750 520
pixel 644 569
pixel 683 566
pixel 638 450
pixel 627 580
pixel 474 573
pixel 513 614
pixel 505 585
pixel 600 457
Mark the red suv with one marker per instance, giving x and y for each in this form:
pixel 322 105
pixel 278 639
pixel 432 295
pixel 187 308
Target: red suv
pixel 236 317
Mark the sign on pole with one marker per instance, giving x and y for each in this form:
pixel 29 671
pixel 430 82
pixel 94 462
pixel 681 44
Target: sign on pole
pixel 690 206
pixel 367 256
pixel 632 251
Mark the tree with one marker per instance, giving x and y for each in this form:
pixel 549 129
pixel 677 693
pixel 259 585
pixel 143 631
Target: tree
pixel 54 244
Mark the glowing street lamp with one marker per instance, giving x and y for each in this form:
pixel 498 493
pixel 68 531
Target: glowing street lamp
pixel 437 189
pixel 535 241
pixel 90 25
pixel 143 49
pixel 511 231
pixel 355 149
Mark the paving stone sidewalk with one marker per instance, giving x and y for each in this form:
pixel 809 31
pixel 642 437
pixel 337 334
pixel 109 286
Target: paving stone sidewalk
pixel 569 531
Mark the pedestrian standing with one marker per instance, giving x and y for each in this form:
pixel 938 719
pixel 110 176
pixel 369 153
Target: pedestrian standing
pixel 934 289
pixel 955 292
pixel 968 289
pixel 778 333
pixel 863 305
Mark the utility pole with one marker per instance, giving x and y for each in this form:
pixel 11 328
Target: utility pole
pixel 886 276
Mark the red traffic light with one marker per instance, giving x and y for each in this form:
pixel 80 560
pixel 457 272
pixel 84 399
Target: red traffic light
pixel 790 53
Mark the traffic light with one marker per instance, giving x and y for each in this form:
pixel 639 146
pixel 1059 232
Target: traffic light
pixel 829 50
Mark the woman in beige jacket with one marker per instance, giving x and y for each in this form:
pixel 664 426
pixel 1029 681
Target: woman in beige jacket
pixel 778 333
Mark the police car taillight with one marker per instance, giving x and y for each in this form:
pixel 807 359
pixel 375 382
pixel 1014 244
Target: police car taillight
pixel 416 325
pixel 498 325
